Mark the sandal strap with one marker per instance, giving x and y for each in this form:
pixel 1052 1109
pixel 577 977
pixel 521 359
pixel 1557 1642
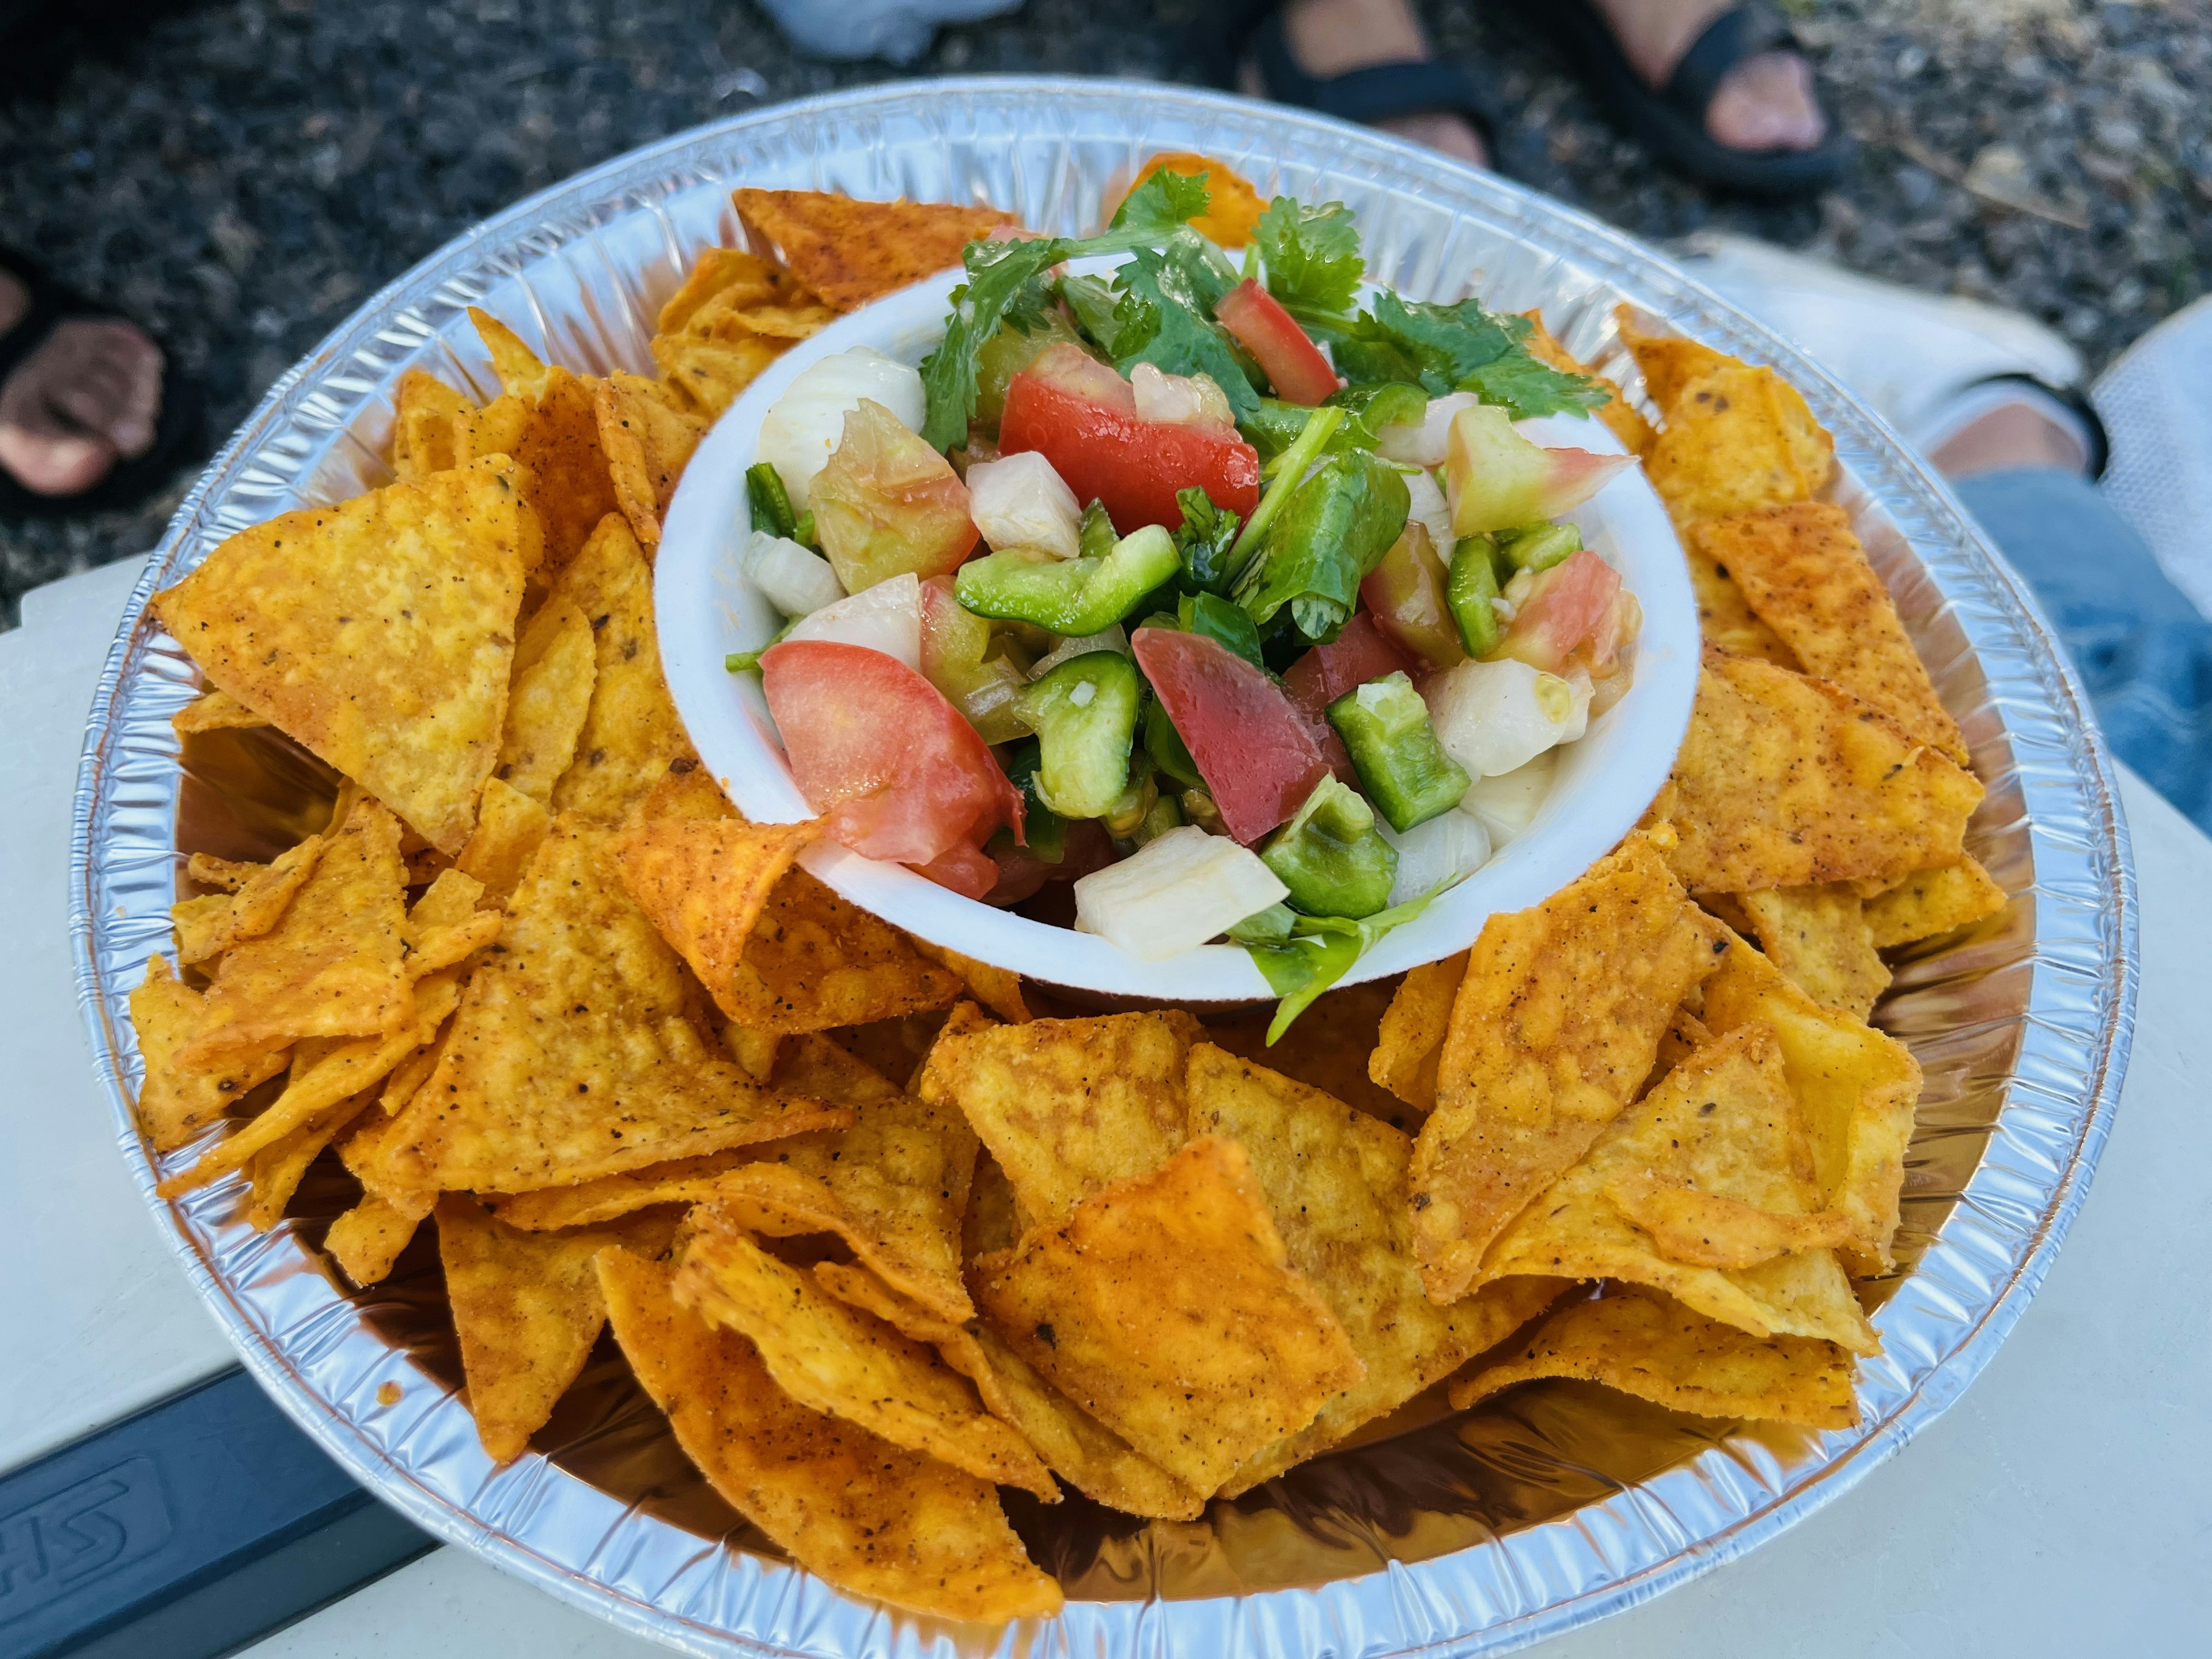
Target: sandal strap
pixel 1731 39
pixel 1427 86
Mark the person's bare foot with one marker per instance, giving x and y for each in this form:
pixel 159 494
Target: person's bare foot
pixel 88 396
pixel 1334 37
pixel 2009 436
pixel 1765 103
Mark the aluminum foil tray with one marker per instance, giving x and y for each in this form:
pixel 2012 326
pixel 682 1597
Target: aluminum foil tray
pixel 1549 1507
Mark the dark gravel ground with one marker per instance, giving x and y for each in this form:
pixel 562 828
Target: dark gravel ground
pixel 237 173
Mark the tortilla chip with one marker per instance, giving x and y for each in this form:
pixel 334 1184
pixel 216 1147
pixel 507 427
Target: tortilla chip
pixel 555 661
pixel 1737 438
pixel 1722 1124
pixel 367 1240
pixel 833 1357
pixel 869 1517
pixel 571 1056
pixel 1856 1090
pixel 1335 1181
pixel 1804 573
pixel 333 967
pixel 894 1185
pixel 214 711
pixel 1641 1343
pixel 815 962
pixel 1929 902
pixel 735 314
pixel 850 253
pixel 527 1309
pixel 742 278
pixel 703 883
pixel 647 435
pixel 1411 1038
pixel 521 372
pixel 1669 362
pixel 714 375
pixel 548 423
pixel 208 926
pixel 510 826
pixel 1166 1307
pixel 631 732
pixel 1819 937
pixel 993 1221
pixel 1233 207
pixel 1784 781
pixel 679 1181
pixel 999 989
pixel 1622 418
pixel 1555 1025
pixel 175 1104
pixel 1329 1046
pixel 1725 617
pixel 425 416
pixel 1069 1107
pixel 275 1172
pixel 1685 1035
pixel 376 633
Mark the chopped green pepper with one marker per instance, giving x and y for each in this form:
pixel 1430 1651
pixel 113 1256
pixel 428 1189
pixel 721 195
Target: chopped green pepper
pixel 1084 716
pixel 1010 351
pixel 1401 766
pixel 1046 835
pixel 1141 792
pixel 1166 747
pixel 748 662
pixel 771 501
pixel 1540 546
pixel 1095 535
pixel 804 532
pixel 1071 597
pixel 1332 857
pixel 1164 815
pixel 1469 590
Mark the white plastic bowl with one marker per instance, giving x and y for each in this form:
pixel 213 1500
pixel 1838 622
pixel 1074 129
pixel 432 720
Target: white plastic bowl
pixel 708 608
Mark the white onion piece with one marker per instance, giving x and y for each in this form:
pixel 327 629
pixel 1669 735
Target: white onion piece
pixel 1450 845
pixel 1179 399
pixel 797 580
pixel 806 424
pixel 1019 501
pixel 1507 804
pixel 1175 893
pixel 1430 508
pixel 886 617
pixel 1492 717
pixel 1422 443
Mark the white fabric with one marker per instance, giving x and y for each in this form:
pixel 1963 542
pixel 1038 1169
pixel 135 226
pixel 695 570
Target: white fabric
pixel 899 30
pixel 2156 404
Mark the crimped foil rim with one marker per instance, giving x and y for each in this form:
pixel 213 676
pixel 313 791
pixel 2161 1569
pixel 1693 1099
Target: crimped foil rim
pixel 1943 1324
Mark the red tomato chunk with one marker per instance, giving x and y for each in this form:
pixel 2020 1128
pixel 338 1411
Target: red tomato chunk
pixel 1251 746
pixel 1107 454
pixel 1293 363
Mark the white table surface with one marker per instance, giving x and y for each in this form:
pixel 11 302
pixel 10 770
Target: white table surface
pixel 2062 1507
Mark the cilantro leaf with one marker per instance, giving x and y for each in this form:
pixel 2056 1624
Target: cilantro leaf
pixel 1456 348
pixel 1161 205
pixel 1160 320
pixel 1204 540
pixel 1312 253
pixel 1525 388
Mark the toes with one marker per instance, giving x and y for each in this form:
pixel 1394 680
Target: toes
pixel 66 466
pixel 1767 103
pixel 1452 135
pixel 98 378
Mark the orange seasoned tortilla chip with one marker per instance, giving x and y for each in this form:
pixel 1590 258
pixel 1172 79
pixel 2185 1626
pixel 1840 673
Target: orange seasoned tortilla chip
pixel 735 315
pixel 367 1240
pixel 1622 418
pixel 1411 1038
pixel 1856 1090
pixel 713 373
pixel 1737 438
pixel 1724 1125
pixel 894 1185
pixel 1069 1107
pixel 999 989
pixel 1335 1182
pixel 1233 207
pixel 509 828
pixel 208 926
pixel 1329 1046
pixel 335 965
pixel 703 883
pixel 1725 617
pixel 377 632
pixel 680 1181
pixel 1929 903
pixel 815 962
pixel 226 875
pixel 215 711
pixel 833 1357
pixel 648 433
pixel 175 1105
pixel 869 1517
pixel 1819 937
pixel 425 416
pixel 1804 573
pixel 850 253
pixel 553 435
pixel 631 731
pixel 1669 362
pixel 555 662
pixel 1167 1307
pixel 521 372
pixel 1079 1449
pixel 572 1057
pixel 527 1309
pixel 1784 781
pixel 1642 1343
pixel 1555 1025
pixel 732 274
pixel 275 1172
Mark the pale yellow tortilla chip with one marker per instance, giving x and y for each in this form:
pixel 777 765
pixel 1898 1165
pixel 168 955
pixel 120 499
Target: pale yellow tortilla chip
pixel 999 989
pixel 275 1172
pixel 555 664
pixel 869 1517
pixel 1819 938
pixel 424 416
pixel 1784 781
pixel 333 967
pixel 510 826
pixel 1736 438
pixel 1725 617
pixel 215 711
pixel 367 1240
pixel 1069 1107
pixel 1856 1090
pixel 1929 902
pixel 175 1104
pixel 850 253
pixel 1555 1026
pixel 1723 1123
pixel 1621 418
pixel 815 962
pixel 648 433
pixel 1669 362
pixel 571 1057
pixel 631 732
pixel 208 926
pixel 1329 1046
pixel 1335 1183
pixel 527 1309
pixel 1804 573
pixel 833 1357
pixel 377 632
pixel 1648 1345
pixel 1411 1038
pixel 1166 1307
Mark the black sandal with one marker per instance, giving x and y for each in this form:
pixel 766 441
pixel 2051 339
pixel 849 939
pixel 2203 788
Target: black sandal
pixel 128 483
pixel 1670 123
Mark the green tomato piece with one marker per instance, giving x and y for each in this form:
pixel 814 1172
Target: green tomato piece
pixel 1084 716
pixel 1045 831
pixel 1332 857
pixel 1401 766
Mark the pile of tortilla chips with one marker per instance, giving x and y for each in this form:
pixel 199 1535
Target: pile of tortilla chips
pixel 876 1239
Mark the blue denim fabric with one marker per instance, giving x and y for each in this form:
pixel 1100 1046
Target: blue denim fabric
pixel 2143 651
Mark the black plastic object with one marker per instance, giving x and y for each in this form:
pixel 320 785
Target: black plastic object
pixel 186 1531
